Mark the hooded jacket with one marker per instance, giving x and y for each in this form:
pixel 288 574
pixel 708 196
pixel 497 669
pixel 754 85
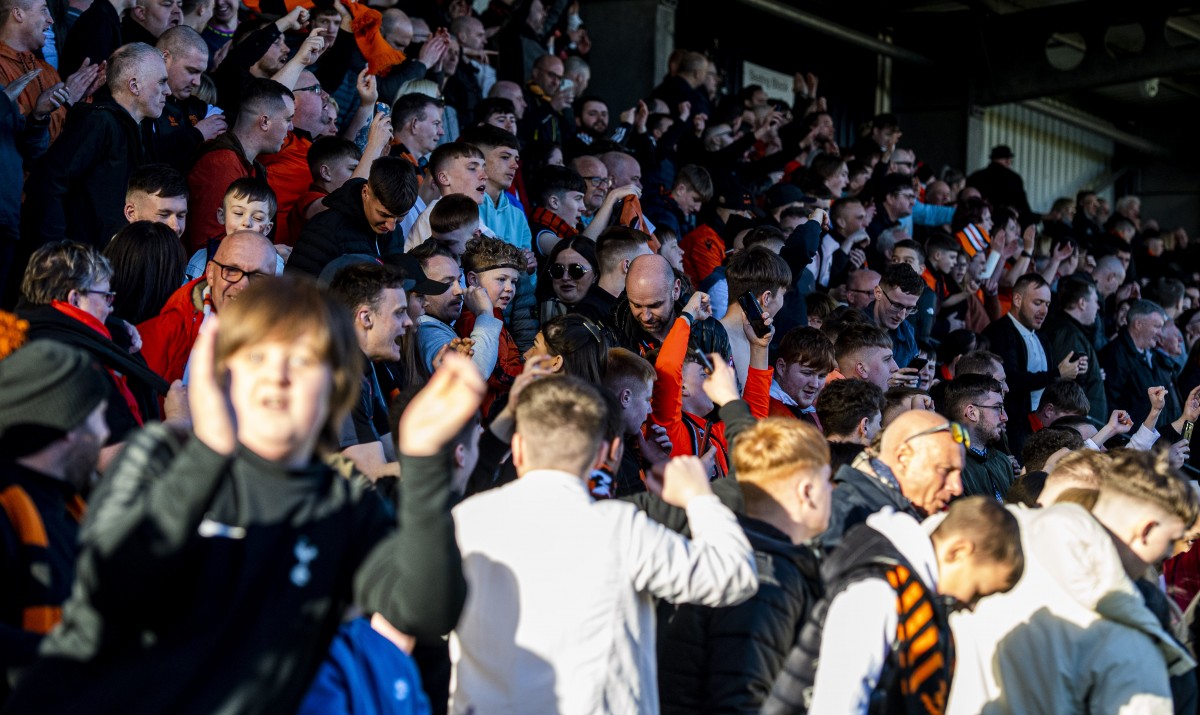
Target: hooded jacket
pixel 860 493
pixel 77 190
pixel 1073 635
pixel 341 230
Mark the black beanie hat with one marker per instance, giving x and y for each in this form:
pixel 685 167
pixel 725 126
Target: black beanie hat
pixel 48 384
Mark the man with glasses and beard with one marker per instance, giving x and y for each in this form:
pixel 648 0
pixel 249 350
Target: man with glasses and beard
pixel 975 402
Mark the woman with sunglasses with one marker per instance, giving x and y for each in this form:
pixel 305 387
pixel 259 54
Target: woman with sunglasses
pixel 571 270
pixel 67 297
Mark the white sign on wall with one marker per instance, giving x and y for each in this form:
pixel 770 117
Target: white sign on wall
pixel 777 85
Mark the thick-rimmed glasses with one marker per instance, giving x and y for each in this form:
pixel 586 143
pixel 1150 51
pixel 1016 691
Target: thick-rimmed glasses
pixel 598 181
pixel 896 307
pixel 109 295
pixel 233 274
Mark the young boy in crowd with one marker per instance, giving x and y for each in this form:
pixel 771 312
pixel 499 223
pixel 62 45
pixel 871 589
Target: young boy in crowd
pixel 332 162
pixel 453 221
pixel 559 200
pixel 680 401
pixel 248 205
pixel 493 266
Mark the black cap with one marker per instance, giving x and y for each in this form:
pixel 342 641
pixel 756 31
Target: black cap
pixel 49 384
pixel 733 194
pixel 1002 152
pixel 411 268
pixel 783 195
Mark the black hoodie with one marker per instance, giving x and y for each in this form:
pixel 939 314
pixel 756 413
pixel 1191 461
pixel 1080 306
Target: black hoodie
pixel 340 231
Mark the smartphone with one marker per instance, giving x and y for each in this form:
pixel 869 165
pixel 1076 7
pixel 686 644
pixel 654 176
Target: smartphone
pixel 706 440
pixel 754 314
pixel 1187 429
pixel 918 363
pixel 705 362
pixel 1076 358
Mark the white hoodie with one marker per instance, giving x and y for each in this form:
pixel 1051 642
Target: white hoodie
pixel 1073 636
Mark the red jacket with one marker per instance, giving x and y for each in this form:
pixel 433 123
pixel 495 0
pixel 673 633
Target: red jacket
pixel 703 252
pixel 222 161
pixel 685 429
pixel 167 338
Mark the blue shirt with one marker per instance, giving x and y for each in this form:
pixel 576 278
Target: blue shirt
pixel 506 221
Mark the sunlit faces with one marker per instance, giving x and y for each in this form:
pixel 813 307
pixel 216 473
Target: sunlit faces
pixel 280 390
pixel 800 382
pixel 500 165
pixel 569 206
pixel 499 283
pixel 466 175
pixel 384 324
pixel 879 365
pixel 157 16
pixel 1031 306
pixel 95 300
pixel 277 128
pixel 447 306
pixel 150 88
pixel 426 129
pixel 338 171
pixel 381 220
pixel 570 290
pixel 184 70
pixel 653 306
pixel 170 211
pixel 242 214
pixel 245 258
pixel 930 471
pixel 695 399
pixel 672 251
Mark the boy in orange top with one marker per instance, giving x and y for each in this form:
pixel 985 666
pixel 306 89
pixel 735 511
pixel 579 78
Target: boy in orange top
pixel 680 402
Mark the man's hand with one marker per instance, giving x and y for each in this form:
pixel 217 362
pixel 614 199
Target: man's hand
pixel 1191 406
pixel 1179 453
pixel 857 258
pixel 530 261
pixel 756 342
pixel 640 116
pixel 1071 367
pixel 442 408
pixel 311 49
pixel 684 479
pixel 477 301
pixel 433 50
pixel 535 369
pixel 622 191
pixel 379 136
pixel 1158 398
pixel 368 89
pixel 699 306
pixel 1063 253
pixel 920 402
pixel 49 100
pixel 213 126
pixel 684 111
pixel 83 81
pixel 656 449
pixel 294 20
pixel 463 346
pixel 905 377
pixel 1119 422
pixel 721 385
pixel 1129 291
pixel 135 338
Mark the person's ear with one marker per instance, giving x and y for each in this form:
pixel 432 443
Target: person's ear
pixel 861 427
pixel 267 228
pixel 74 297
pixel 1145 529
pixel 861 371
pixel 130 212
pixel 904 455
pixel 553 203
pixel 472 279
pixel 556 363
pixel 518 450
pixel 460 456
pixel 971 414
pixel 221 215
pixel 780 366
pixel 625 397
pixel 959 550
pixel 765 297
pixel 264 122
pixel 325 173
pixel 364 317
pixel 139 13
pixel 675 291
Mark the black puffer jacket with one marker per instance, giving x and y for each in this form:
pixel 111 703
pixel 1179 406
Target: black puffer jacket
pixel 47 323
pixel 724 660
pixel 858 495
pixel 341 230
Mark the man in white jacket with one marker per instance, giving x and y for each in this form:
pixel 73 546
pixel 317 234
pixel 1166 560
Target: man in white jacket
pixel 1074 635
pixel 559 615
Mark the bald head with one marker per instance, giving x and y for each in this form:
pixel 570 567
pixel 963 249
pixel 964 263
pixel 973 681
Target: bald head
pixel 920 449
pixel 652 289
pixel 397 28
pixel 246 256
pixel 622 168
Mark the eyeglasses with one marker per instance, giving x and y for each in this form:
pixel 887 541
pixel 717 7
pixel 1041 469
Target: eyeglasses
pixel 314 88
pixel 908 309
pixel 957 431
pixel 576 270
pixel 857 290
pixel 598 181
pixel 233 274
pixel 991 407
pixel 108 295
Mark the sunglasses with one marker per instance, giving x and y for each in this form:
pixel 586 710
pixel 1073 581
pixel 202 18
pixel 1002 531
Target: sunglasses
pixel 957 431
pixel 576 270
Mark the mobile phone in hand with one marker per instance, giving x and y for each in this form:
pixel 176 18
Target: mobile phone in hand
pixel 918 363
pixel 754 314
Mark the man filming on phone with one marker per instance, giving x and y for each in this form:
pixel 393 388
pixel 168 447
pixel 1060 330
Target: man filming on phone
pixel 758 279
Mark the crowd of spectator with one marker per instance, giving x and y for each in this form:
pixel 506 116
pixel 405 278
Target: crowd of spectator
pixel 358 359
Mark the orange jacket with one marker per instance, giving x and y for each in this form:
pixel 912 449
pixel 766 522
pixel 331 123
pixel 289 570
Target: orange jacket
pixel 13 64
pixel 289 177
pixel 167 338
pixel 685 429
pixel 703 252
